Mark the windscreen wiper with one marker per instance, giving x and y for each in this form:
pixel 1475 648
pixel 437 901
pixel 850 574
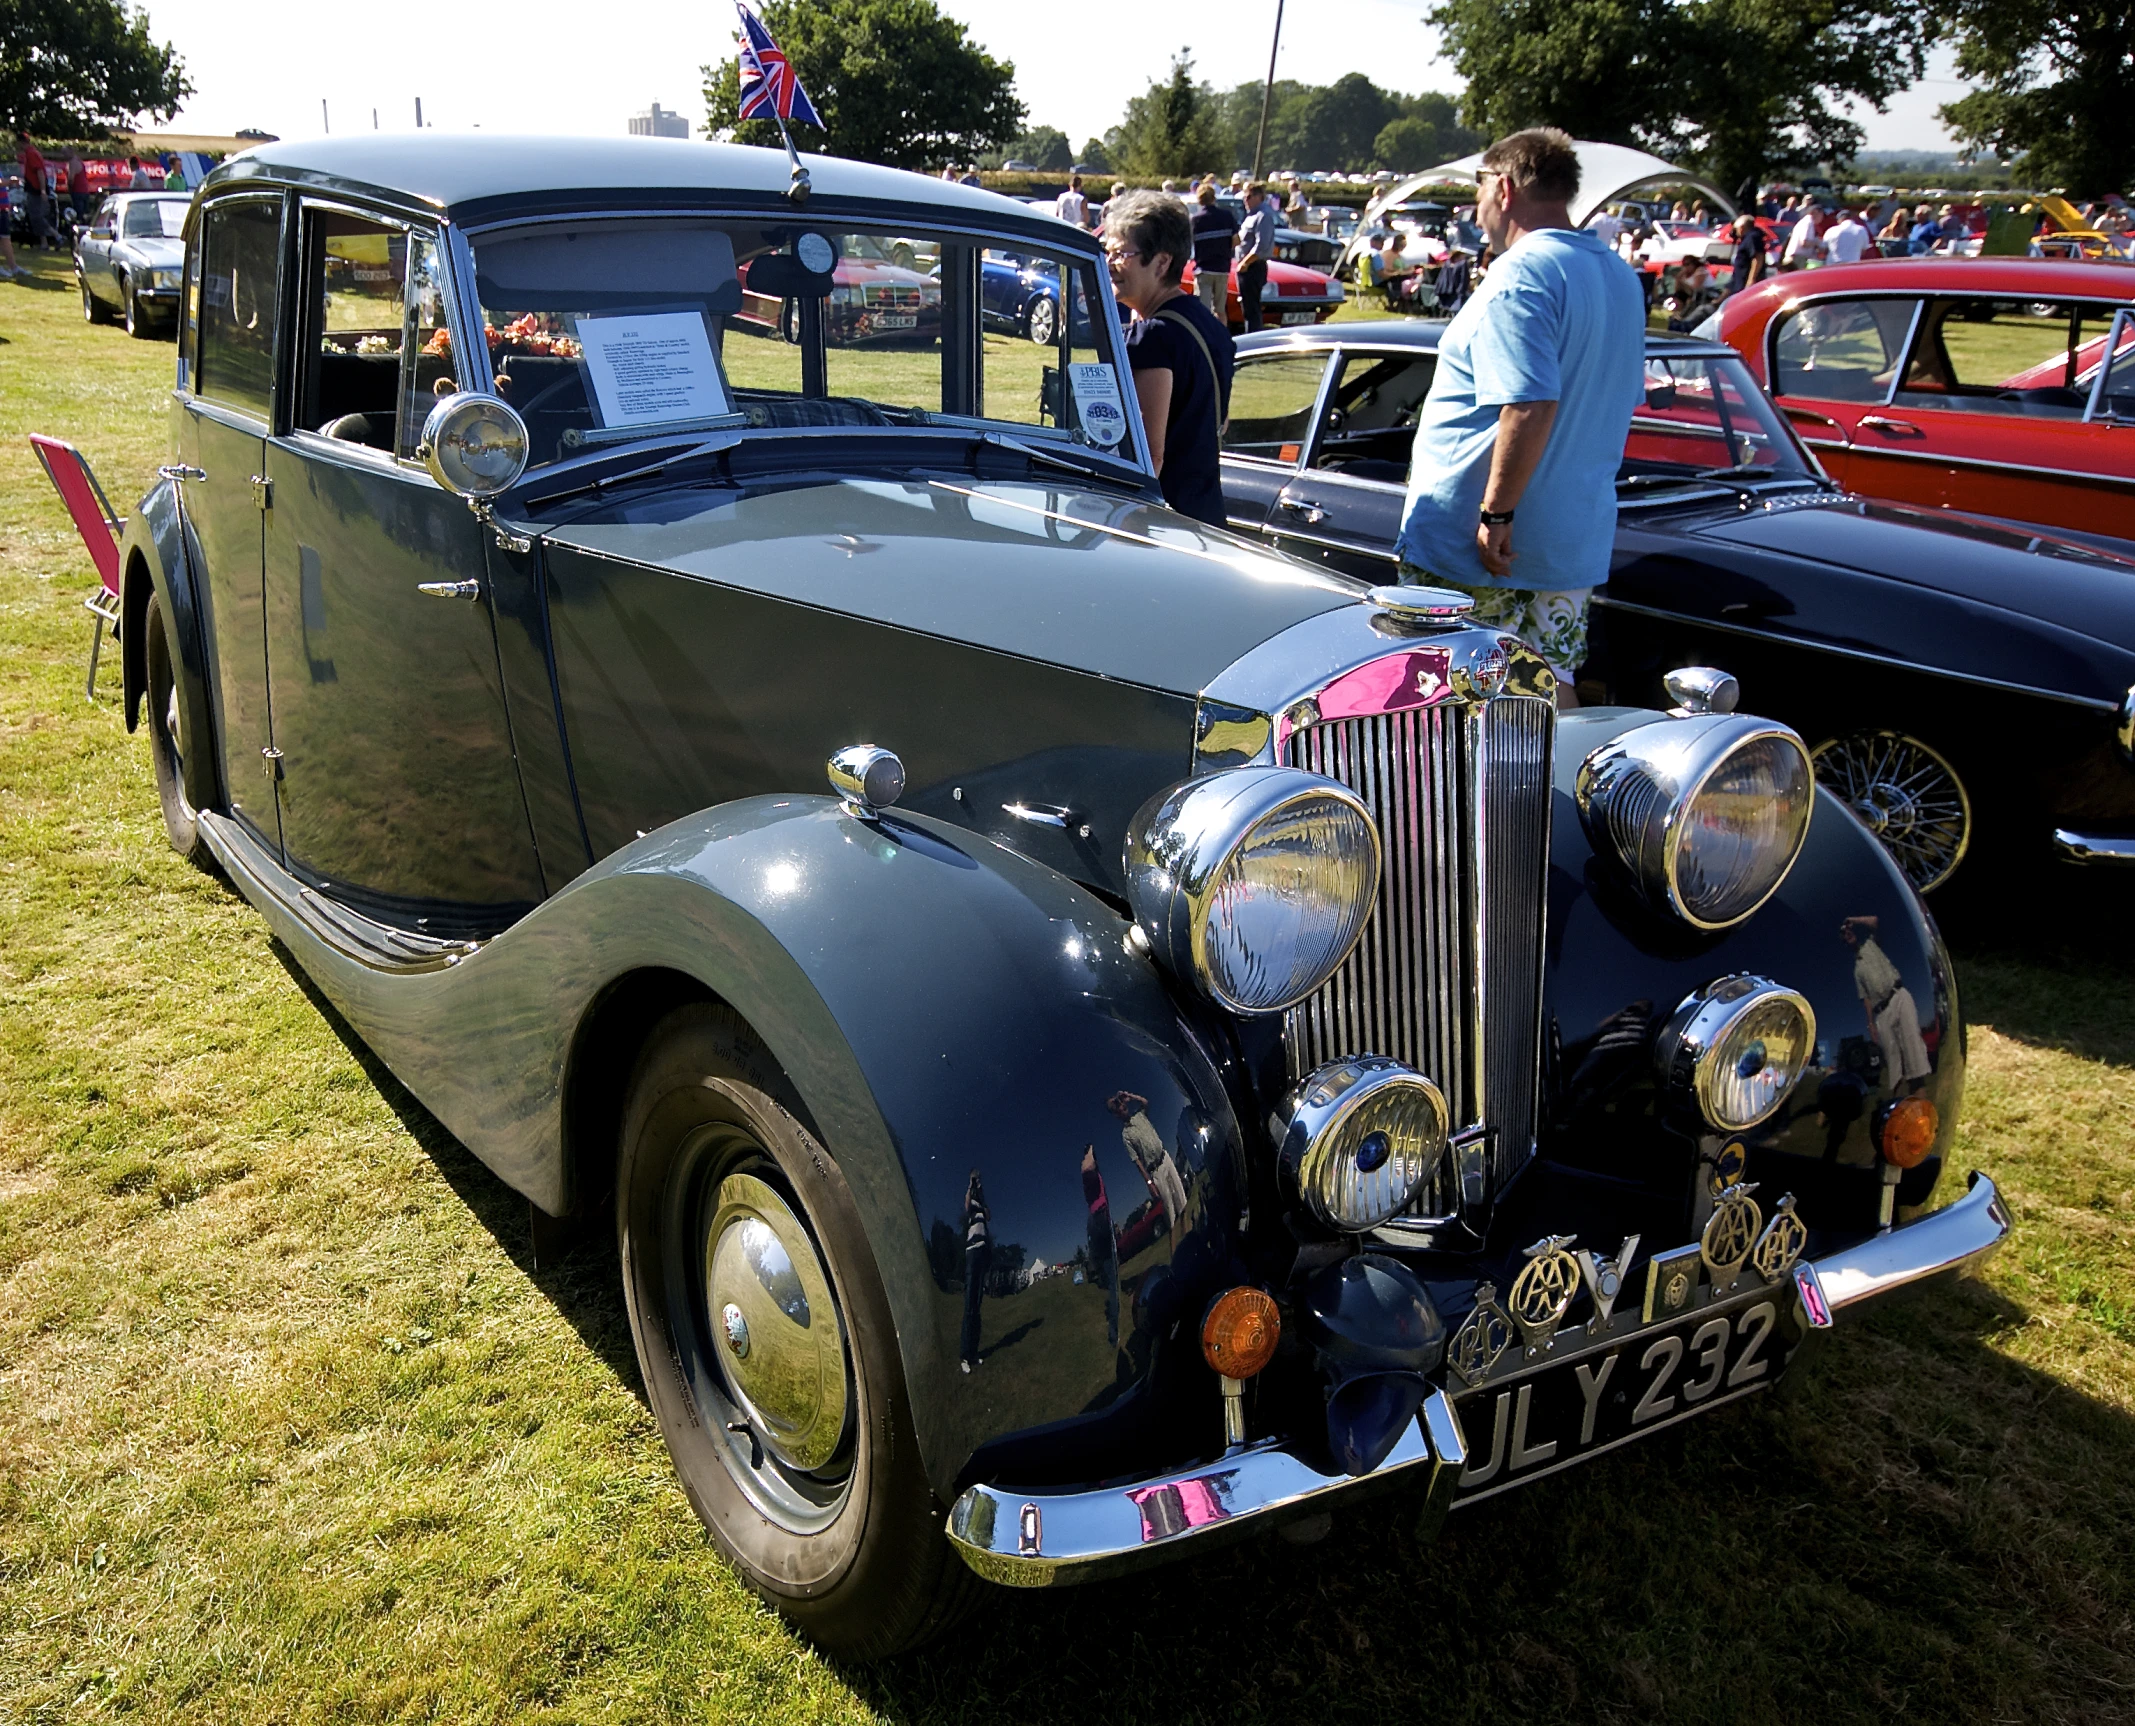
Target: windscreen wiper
pixel 655 463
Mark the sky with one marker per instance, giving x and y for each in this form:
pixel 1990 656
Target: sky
pixel 537 66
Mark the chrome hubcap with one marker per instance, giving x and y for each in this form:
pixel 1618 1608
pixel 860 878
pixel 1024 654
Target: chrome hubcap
pixel 783 1345
pixel 1906 795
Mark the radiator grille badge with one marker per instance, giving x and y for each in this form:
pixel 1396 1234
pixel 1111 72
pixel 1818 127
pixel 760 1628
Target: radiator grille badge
pixel 1781 1243
pixel 1730 1234
pixel 1483 1339
pixel 1605 1280
pixel 1542 1291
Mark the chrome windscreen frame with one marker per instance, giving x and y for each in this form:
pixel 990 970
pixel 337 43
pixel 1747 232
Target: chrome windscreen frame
pixel 1249 713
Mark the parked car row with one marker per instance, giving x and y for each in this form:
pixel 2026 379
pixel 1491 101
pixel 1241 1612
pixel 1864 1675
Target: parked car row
pixel 1099 1037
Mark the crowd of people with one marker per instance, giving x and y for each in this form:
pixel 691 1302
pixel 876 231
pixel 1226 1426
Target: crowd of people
pixel 59 194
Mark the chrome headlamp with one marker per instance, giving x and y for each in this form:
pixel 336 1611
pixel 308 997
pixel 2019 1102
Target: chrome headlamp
pixel 1253 884
pixel 1705 813
pixel 1736 1048
pixel 1362 1138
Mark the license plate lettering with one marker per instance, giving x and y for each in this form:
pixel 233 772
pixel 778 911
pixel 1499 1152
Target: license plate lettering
pixel 896 320
pixel 1552 1417
pixel 1299 317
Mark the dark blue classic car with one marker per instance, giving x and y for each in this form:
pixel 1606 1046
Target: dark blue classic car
pixel 1022 295
pixel 1096 1036
pixel 1967 685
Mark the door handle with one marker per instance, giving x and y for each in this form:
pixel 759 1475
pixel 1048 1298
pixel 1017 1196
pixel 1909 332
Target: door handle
pixel 1310 513
pixel 1903 428
pixel 450 589
pixel 180 471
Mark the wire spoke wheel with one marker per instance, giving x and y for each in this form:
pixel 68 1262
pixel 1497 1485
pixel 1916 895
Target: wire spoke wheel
pixel 1906 795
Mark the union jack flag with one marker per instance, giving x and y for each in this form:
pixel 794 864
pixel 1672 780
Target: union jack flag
pixel 768 86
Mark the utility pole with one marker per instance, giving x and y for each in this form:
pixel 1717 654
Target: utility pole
pixel 418 113
pixel 374 119
pixel 1267 93
pixel 325 125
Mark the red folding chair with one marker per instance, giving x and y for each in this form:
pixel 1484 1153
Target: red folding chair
pixel 75 481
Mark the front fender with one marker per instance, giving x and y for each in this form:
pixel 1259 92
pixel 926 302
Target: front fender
pixel 943 1006
pixel 158 554
pixel 1615 971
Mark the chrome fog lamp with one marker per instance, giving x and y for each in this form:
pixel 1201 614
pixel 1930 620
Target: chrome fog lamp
pixel 1736 1048
pixel 1363 1136
pixel 1705 813
pixel 474 445
pixel 1253 884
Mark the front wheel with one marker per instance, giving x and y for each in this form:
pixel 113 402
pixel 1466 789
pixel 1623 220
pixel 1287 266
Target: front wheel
pixel 136 315
pixel 768 1346
pixel 1908 796
pixel 1043 321
pixel 167 738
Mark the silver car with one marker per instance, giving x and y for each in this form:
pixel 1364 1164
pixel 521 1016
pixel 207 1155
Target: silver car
pixel 130 260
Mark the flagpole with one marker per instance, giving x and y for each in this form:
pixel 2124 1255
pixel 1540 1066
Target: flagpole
pixel 798 190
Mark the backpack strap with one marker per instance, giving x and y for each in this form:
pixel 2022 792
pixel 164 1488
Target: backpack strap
pixel 1223 418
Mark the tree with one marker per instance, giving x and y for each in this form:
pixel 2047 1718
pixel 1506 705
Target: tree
pixel 1737 88
pixel 1171 127
pixel 80 68
pixel 1045 146
pixel 894 80
pixel 1334 126
pixel 2060 87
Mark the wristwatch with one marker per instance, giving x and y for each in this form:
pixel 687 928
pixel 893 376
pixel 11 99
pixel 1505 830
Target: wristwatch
pixel 1495 517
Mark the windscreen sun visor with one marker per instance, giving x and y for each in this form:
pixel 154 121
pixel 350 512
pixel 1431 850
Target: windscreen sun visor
pixel 608 267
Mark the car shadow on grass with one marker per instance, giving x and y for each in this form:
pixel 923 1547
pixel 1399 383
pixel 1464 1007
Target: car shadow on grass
pixel 1918 1525
pixel 573 1264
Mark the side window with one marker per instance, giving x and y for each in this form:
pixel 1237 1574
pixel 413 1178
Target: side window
pixel 355 301
pixel 429 373
pixel 1841 351
pixel 2117 355
pixel 1271 406
pixel 2003 356
pixel 1371 420
pixel 238 299
pixel 105 224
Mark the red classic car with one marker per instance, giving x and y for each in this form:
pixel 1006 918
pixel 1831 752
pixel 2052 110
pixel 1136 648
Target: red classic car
pixel 1294 295
pixel 872 300
pixel 2004 386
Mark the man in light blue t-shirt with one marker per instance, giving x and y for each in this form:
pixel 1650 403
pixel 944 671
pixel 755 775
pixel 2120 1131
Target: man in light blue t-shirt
pixel 1538 376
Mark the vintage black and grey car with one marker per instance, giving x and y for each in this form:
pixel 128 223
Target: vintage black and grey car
pixel 129 259
pixel 1216 1043
pixel 1967 685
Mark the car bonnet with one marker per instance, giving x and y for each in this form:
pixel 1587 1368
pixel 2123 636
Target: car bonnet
pixel 1063 574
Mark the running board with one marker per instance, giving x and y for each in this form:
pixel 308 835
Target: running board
pixel 376 946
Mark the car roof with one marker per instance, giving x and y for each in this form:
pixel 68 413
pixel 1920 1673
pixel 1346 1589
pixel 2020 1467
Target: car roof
pixel 1424 334
pixel 450 172
pixel 2002 278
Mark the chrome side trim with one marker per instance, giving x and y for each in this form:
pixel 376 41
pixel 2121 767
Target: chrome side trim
pixel 2093 847
pixel 1042 1540
pixel 1883 660
pixel 1954 1239
pixel 1979 464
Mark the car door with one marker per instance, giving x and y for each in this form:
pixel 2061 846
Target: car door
pixel 1343 507
pixel 1993 407
pixel 1275 402
pixel 398 785
pixel 95 246
pixel 1833 365
pixel 223 410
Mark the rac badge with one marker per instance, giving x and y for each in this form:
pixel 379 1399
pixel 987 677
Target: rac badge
pixel 1542 1291
pixel 1483 1339
pixel 1781 1243
pixel 1730 1233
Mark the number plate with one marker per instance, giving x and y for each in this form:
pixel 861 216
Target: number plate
pixel 896 320
pixel 1299 317
pixel 1562 1412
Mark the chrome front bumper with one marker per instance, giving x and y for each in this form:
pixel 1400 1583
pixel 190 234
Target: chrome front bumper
pixel 2092 847
pixel 1040 1540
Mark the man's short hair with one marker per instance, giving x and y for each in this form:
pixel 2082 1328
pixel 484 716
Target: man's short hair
pixel 1254 189
pixel 1074 182
pixel 1206 195
pixel 1542 161
pixel 1152 222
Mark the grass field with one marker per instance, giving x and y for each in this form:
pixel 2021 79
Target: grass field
pixel 293 1429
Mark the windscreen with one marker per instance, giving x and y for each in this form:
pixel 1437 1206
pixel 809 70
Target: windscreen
pixel 153 218
pixel 603 330
pixel 1705 414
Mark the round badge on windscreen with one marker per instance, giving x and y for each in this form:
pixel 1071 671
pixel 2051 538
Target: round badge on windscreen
pixel 815 254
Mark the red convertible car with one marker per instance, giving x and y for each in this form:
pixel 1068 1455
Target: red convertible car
pixel 2004 386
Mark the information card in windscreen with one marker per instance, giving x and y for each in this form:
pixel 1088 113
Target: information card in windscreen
pixel 649 368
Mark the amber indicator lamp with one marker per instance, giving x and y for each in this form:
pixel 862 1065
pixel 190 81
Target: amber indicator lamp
pixel 1907 1131
pixel 1239 1335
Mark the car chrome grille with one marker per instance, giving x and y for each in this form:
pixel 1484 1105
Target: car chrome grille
pixel 1447 975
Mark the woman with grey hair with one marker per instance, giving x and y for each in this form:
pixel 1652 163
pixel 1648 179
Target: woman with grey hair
pixel 1180 353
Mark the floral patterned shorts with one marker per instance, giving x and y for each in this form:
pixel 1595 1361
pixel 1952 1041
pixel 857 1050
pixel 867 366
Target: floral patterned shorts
pixel 1552 623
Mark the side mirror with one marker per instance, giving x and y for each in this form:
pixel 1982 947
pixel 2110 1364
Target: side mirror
pixel 474 445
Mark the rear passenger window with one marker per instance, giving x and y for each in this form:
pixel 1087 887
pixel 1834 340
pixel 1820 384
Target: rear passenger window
pixel 2028 357
pixel 238 297
pixel 1842 350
